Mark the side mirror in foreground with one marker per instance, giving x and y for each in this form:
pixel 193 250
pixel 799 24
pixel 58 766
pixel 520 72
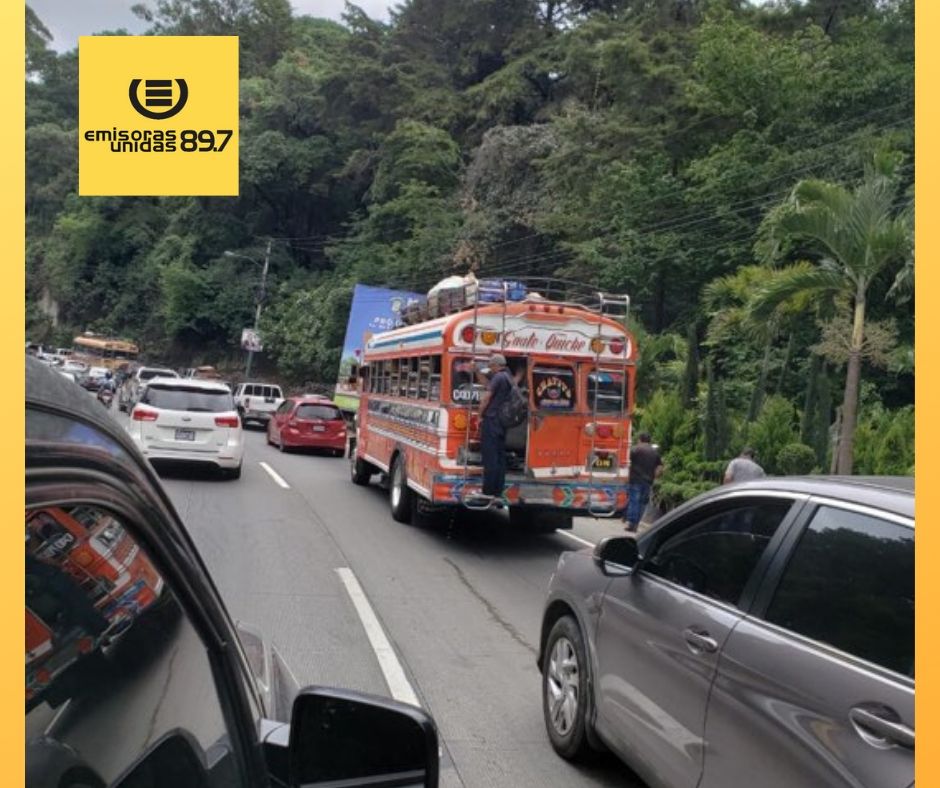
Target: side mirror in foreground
pixel 340 737
pixel 617 555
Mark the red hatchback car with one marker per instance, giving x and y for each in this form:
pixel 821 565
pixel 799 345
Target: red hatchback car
pixel 308 422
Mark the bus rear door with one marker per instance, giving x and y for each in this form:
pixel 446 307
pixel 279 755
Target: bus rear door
pixel 554 422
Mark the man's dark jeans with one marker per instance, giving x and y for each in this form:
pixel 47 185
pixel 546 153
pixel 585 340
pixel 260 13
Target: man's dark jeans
pixel 494 457
pixel 638 497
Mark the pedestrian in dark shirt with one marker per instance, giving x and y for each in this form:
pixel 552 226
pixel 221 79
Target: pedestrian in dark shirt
pixel 646 465
pixel 493 438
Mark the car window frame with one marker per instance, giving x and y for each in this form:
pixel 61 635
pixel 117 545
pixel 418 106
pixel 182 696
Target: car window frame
pixel 115 484
pixel 778 567
pixel 686 517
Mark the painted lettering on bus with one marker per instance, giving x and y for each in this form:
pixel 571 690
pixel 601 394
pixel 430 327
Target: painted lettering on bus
pixel 555 342
pixel 565 344
pixel 517 341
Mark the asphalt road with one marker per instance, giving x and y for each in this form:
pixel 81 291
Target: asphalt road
pixel 460 604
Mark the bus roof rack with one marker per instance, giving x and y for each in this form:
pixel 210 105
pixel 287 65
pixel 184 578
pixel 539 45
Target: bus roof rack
pixel 473 293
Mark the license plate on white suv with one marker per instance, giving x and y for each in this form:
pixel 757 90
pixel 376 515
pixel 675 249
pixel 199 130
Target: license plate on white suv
pixel 185 435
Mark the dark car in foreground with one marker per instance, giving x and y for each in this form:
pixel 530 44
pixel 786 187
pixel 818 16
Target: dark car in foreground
pixel 761 634
pixel 136 677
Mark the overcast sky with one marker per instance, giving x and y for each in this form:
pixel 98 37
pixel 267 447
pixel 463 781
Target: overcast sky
pixel 69 19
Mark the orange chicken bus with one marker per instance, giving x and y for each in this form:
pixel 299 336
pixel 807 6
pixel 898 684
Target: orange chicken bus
pixel 418 417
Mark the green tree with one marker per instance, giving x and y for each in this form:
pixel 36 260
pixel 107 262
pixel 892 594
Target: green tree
pixel 854 235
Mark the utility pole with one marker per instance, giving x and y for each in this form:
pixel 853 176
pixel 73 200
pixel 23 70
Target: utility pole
pixel 260 301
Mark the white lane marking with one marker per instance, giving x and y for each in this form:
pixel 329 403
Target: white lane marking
pixel 395 677
pixel 274 475
pixel 570 535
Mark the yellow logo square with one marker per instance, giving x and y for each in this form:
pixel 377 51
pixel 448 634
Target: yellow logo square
pixel 158 115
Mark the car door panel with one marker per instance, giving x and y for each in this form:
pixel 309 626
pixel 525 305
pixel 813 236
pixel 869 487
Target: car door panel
pixel 779 716
pixel 652 682
pixel 662 628
pixel 815 687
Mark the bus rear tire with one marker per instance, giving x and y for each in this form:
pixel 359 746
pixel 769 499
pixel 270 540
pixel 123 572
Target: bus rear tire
pixel 399 493
pixel 360 471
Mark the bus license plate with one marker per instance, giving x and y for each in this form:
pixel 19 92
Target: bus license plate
pixel 603 462
pixel 186 435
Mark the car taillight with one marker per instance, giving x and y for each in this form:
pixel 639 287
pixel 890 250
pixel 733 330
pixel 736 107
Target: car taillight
pixel 226 421
pixel 142 414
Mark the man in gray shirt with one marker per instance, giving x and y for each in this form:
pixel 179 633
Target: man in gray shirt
pixel 743 468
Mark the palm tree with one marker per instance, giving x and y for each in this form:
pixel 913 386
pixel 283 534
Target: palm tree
pixel 854 236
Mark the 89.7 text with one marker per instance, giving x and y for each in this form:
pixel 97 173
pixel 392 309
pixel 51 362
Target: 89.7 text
pixel 205 140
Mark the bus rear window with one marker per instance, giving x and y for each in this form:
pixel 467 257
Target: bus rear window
pixel 610 389
pixel 553 388
pixel 464 390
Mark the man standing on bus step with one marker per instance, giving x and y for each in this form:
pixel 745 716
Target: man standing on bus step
pixel 646 465
pixel 493 442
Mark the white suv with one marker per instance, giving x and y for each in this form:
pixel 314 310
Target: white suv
pixel 189 420
pixel 257 401
pixel 129 392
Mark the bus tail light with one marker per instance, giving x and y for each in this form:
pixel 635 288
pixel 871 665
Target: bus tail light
pixel 600 430
pixel 489 337
pixel 467 333
pixel 142 414
pixel 616 347
pixel 460 421
pixel 226 421
pixel 597 345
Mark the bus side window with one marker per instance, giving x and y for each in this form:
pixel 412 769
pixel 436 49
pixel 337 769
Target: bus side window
pixel 435 383
pixel 424 377
pixel 414 371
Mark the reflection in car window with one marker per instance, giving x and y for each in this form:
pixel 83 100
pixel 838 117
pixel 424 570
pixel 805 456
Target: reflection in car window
pixel 850 583
pixel 41 426
pixel 114 670
pixel 715 556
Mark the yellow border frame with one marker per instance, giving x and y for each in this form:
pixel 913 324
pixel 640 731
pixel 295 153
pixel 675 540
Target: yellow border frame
pixel 926 329
pixel 12 322
pixel 12 309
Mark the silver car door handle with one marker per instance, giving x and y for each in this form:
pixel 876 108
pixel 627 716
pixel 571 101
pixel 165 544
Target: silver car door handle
pixel 870 725
pixel 699 641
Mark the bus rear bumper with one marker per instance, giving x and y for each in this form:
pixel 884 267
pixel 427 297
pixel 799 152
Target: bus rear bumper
pixel 599 499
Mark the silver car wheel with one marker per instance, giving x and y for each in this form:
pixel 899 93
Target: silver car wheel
pixel 562 686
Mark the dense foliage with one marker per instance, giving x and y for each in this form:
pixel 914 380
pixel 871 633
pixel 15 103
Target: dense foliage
pixel 645 146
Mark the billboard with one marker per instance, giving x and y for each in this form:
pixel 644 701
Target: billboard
pixel 373 310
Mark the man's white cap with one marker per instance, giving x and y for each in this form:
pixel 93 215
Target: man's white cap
pixel 498 359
